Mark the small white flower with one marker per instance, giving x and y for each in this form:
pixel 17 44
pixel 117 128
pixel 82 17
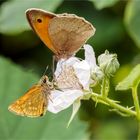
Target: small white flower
pixel 72 77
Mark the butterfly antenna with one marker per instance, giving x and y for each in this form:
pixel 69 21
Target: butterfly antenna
pixel 45 70
pixel 48 74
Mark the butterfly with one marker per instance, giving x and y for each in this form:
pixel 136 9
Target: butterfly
pixel 35 101
pixel 64 34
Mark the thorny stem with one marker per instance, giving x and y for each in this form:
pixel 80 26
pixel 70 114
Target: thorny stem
pixel 112 103
pixel 102 98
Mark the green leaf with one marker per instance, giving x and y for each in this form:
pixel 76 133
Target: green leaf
pixel 100 4
pixel 122 72
pixel 132 20
pixel 131 80
pixel 14 82
pixel 107 131
pixel 106 27
pixel 13 18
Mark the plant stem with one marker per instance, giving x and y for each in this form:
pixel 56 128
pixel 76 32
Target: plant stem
pixel 105 87
pixel 138 130
pixel 112 103
pixel 136 101
pixel 137 107
pixel 104 99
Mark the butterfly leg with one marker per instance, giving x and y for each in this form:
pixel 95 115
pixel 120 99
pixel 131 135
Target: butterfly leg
pixel 50 98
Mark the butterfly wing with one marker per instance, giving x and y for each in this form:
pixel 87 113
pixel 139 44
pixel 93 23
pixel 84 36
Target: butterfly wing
pixel 62 33
pixel 32 104
pixel 69 32
pixel 39 21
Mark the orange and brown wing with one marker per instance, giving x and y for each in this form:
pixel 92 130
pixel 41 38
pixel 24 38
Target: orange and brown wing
pixel 32 104
pixel 62 33
pixel 39 21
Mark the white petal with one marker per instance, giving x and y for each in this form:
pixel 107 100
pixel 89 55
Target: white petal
pixel 90 56
pixel 60 100
pixel 69 62
pixel 82 70
pixel 76 106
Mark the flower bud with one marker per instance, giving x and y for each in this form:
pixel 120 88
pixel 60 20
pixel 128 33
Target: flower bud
pixel 97 74
pixel 108 63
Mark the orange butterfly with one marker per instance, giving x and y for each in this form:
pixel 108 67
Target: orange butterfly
pixel 64 33
pixel 34 102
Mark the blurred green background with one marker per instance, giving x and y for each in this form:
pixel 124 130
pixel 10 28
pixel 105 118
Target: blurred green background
pixel 23 58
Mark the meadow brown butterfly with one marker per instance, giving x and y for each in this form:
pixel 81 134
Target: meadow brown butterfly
pixel 64 33
pixel 34 102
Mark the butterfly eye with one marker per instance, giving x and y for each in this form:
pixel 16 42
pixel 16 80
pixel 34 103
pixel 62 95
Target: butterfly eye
pixel 44 80
pixel 39 20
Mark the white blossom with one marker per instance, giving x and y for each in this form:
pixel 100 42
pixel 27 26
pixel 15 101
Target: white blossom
pixel 72 76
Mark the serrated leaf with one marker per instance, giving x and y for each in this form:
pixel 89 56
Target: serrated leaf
pixel 13 18
pixel 100 4
pixel 14 82
pixel 131 80
pixel 132 20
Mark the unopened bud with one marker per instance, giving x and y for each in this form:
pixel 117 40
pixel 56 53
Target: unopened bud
pixel 108 63
pixel 97 74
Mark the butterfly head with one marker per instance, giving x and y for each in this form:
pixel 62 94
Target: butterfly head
pixel 44 81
